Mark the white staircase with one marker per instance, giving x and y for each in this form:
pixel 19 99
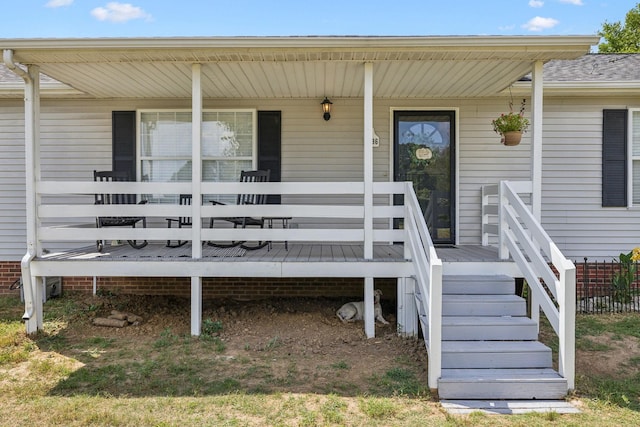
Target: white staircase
pixel 489 345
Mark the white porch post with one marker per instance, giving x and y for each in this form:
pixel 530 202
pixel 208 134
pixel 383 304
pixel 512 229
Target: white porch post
pixel 369 321
pixel 196 305
pixel 368 160
pixel 536 160
pixel 567 329
pixel 33 296
pixel 536 140
pixel 196 159
pixel 407 311
pixel 196 191
pixel 32 154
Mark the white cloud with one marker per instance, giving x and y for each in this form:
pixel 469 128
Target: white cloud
pixel 539 24
pixel 119 12
pixel 536 3
pixel 59 3
pixel 573 2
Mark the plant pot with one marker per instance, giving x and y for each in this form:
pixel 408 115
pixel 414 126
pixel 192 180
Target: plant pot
pixel 511 138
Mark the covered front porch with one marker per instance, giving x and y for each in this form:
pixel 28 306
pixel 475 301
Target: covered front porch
pixel 353 217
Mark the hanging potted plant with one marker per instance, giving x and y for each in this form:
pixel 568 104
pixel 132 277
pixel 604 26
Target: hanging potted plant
pixel 512 125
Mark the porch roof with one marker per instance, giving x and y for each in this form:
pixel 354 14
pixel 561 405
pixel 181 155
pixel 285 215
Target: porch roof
pixel 294 67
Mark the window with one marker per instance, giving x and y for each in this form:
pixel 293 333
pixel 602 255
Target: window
pixel 228 146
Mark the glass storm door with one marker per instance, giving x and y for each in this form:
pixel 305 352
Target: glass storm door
pixel 424 154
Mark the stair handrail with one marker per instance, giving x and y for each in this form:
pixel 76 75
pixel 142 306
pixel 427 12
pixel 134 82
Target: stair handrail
pixel 522 237
pixel 428 276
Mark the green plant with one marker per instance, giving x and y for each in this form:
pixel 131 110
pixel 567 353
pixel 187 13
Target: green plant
pixel 378 408
pixel 211 327
pixel 511 122
pixel 218 344
pixel 273 343
pixel 624 276
pixel 340 365
pixel 167 338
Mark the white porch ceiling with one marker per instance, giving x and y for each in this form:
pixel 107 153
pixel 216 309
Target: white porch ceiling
pixel 294 67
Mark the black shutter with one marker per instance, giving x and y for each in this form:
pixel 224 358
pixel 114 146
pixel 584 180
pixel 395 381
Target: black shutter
pixel 614 158
pixel 269 151
pixel 123 146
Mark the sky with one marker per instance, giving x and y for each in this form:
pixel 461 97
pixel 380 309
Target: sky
pixel 168 18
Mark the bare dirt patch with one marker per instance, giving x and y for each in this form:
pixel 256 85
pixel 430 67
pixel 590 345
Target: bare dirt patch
pixel 293 345
pixel 612 355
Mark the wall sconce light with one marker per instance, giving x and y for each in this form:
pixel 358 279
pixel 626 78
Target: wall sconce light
pixel 326 108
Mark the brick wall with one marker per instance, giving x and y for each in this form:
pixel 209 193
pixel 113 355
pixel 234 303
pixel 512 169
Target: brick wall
pixel 596 278
pixel 9 273
pixel 241 288
pixel 591 276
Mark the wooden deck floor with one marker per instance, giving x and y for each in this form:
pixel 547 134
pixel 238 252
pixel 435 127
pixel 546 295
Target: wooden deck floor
pixel 277 253
pixel 300 260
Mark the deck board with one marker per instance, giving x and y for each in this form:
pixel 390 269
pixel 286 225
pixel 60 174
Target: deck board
pixel 468 253
pixel 297 252
pixel 301 260
pixel 293 253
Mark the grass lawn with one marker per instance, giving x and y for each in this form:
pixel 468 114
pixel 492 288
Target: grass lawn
pixel 61 377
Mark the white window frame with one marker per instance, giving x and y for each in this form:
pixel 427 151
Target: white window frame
pixel 254 143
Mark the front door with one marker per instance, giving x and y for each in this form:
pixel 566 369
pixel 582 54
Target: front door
pixel 424 153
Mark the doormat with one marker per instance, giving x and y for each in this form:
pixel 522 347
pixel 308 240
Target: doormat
pixel 236 251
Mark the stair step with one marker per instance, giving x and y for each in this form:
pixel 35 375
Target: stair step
pixel 501 384
pixel 510 407
pixel 474 285
pixel 483 305
pixel 495 354
pixel 483 328
pixel 490 348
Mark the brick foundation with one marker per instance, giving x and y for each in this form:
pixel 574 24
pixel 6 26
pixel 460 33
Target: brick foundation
pixel 246 288
pixel 589 276
pixel 9 273
pixel 241 288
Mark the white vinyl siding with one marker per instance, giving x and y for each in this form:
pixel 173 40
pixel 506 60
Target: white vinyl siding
pixel 12 181
pixel 572 182
pixel 76 139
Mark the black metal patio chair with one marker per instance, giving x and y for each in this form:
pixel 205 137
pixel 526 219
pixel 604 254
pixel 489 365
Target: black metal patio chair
pixel 117 199
pixel 245 221
pixel 182 221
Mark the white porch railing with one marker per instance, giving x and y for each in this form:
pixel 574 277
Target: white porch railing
pixel 68 212
pixel 335 214
pixel 428 276
pixel 551 277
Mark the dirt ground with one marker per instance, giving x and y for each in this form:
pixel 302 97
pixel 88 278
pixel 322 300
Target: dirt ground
pixel 304 333
pixel 612 356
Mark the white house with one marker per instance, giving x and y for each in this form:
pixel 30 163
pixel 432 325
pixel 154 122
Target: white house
pixel 405 181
